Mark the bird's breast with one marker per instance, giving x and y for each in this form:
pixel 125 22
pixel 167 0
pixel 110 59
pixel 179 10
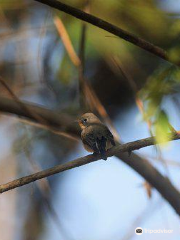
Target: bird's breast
pixel 88 148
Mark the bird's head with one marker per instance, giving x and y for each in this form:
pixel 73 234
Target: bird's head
pixel 88 119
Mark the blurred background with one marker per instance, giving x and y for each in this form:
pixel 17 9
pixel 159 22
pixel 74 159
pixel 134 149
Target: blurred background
pixel 45 56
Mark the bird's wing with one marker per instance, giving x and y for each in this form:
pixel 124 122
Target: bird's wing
pixel 105 132
pixel 96 137
pixel 88 138
pixel 110 137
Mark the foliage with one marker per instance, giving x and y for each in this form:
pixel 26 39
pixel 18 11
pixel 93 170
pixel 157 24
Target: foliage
pixel 164 81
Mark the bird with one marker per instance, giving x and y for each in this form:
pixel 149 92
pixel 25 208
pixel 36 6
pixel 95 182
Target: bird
pixel 96 136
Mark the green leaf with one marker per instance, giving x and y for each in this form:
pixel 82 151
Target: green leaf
pixel 161 127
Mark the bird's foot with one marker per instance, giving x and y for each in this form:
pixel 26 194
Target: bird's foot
pixel 104 158
pixel 98 154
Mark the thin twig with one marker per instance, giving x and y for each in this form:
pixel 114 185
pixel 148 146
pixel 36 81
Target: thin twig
pixel 131 146
pixel 41 122
pixel 56 132
pixel 173 197
pixel 66 41
pixel 85 89
pixel 24 107
pixel 81 69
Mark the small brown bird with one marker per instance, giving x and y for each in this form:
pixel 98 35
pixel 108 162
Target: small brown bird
pixel 95 136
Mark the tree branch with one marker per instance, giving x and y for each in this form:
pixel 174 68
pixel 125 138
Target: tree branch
pixel 169 193
pixel 98 22
pixel 64 122
pixel 55 120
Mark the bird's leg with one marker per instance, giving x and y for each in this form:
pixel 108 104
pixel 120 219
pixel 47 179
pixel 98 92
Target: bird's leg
pixel 102 156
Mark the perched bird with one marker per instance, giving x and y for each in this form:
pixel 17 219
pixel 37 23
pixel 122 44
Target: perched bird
pixel 95 136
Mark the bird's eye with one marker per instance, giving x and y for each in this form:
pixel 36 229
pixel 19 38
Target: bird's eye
pixel 85 120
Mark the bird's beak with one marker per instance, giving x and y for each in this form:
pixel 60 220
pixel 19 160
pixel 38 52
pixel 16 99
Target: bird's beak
pixel 76 121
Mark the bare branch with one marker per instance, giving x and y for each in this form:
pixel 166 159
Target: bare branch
pixel 158 181
pixel 98 22
pixel 57 121
pixel 66 41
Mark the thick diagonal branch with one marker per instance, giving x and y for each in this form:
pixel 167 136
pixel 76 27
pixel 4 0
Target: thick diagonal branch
pixel 98 22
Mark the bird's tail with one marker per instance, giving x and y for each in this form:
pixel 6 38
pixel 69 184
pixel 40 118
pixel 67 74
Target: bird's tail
pixel 101 145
